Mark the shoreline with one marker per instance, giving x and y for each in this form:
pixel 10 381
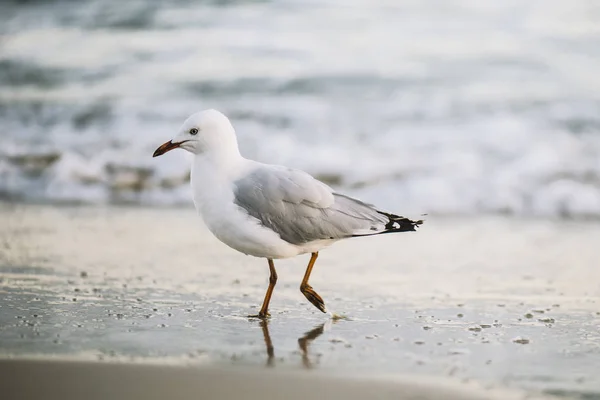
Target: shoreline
pixel 426 215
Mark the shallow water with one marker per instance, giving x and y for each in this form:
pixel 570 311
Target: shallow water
pixel 442 106
pixel 503 302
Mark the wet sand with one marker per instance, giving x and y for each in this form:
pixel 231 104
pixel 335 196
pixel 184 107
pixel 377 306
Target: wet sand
pixel 81 380
pixel 490 304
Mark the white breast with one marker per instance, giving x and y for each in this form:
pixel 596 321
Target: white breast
pixel 214 201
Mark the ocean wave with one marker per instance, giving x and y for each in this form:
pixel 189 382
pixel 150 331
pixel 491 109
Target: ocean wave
pixel 477 113
pixel 544 174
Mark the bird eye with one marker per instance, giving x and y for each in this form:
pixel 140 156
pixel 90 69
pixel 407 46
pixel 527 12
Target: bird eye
pixel 193 131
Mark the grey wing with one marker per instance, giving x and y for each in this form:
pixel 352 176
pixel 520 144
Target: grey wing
pixel 302 209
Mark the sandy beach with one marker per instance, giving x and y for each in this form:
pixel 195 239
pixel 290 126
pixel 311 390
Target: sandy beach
pixel 477 307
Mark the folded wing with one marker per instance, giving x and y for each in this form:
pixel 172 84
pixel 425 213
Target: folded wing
pixel 302 209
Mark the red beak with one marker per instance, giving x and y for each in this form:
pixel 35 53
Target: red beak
pixel 166 147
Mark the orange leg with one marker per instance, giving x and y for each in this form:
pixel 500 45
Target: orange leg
pixel 264 310
pixel 307 290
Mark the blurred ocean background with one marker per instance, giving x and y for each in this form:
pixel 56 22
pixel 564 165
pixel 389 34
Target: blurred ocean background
pixel 437 106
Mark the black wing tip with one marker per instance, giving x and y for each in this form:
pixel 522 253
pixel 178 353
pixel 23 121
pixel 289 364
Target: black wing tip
pixel 397 223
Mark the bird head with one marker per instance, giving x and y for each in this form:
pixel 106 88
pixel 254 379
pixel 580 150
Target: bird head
pixel 203 132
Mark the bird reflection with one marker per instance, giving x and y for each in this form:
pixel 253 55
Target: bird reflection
pixel 303 342
pixel 270 350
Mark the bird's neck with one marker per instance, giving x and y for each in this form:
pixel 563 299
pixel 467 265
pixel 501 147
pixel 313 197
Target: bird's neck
pixel 212 178
pixel 222 165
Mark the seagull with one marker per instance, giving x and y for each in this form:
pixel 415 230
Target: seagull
pixel 270 211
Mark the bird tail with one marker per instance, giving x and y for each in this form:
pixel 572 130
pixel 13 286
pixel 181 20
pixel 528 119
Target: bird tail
pixel 395 223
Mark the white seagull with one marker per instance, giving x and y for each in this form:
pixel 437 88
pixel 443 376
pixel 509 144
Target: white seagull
pixel 269 211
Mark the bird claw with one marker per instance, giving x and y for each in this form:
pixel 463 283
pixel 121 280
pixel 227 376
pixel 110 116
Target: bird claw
pixel 313 297
pixel 260 316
